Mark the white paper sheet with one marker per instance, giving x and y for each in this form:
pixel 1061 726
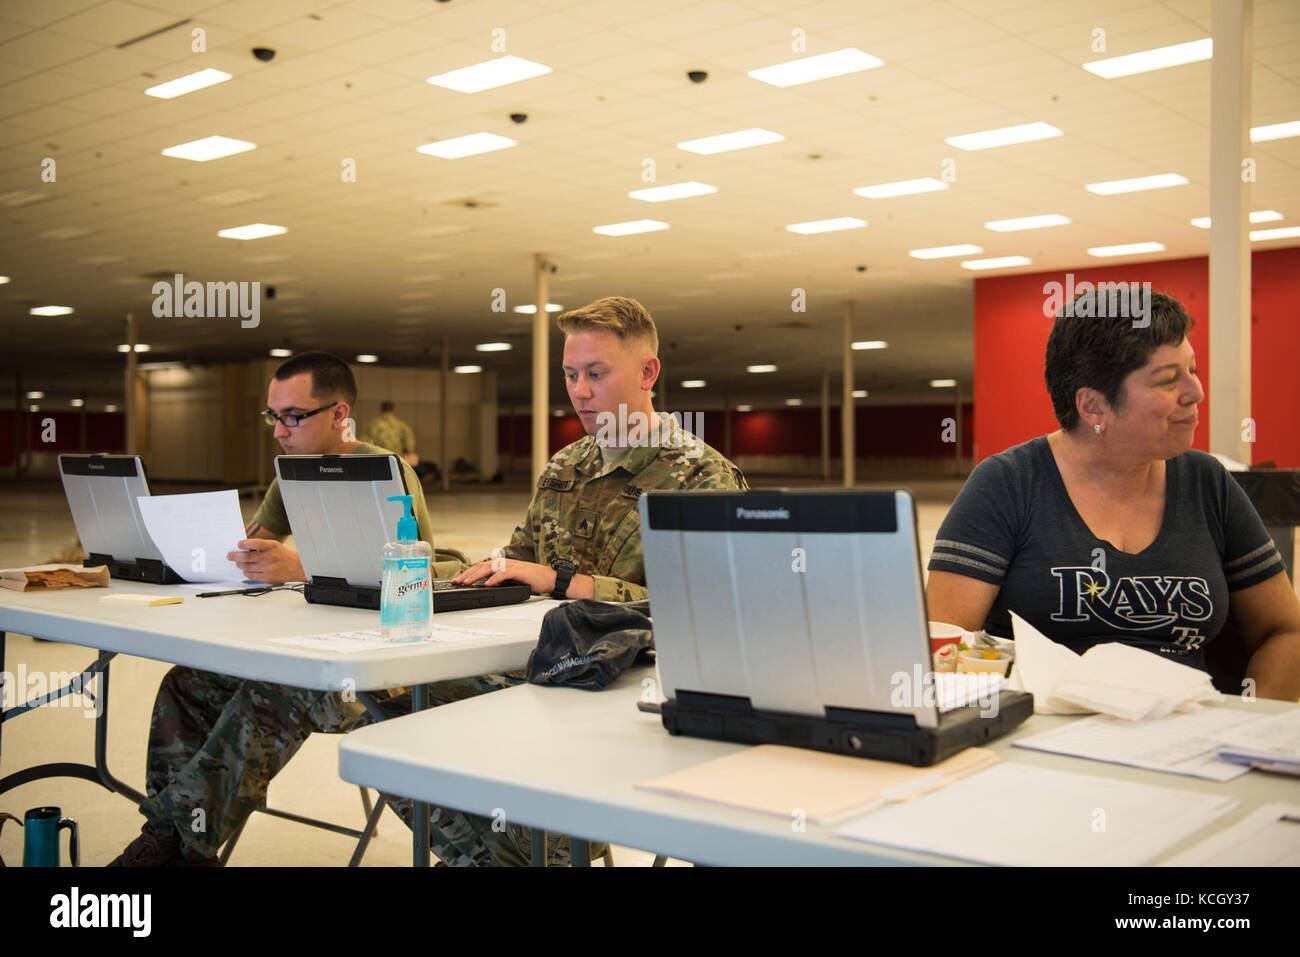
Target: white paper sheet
pixel 1274 737
pixel 353 642
pixel 1111 678
pixel 1265 839
pixel 524 611
pixel 1176 743
pixel 1027 816
pixel 195 532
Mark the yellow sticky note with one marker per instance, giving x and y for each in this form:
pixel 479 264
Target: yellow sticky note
pixel 123 598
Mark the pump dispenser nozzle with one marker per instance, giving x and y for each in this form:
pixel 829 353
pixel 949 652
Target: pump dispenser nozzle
pixel 407 531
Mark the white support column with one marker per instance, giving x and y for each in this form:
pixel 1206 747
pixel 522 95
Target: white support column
pixel 443 418
pixel 541 365
pixel 826 424
pixel 847 445
pixel 132 413
pixel 1230 106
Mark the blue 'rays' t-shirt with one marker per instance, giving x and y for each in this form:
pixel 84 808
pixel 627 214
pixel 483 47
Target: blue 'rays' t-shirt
pixel 1013 525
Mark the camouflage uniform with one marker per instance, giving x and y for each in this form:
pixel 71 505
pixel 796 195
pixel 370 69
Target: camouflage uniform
pixel 215 741
pixel 389 432
pixel 586 511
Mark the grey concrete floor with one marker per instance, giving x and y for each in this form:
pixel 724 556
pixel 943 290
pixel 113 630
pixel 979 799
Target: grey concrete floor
pixel 36 526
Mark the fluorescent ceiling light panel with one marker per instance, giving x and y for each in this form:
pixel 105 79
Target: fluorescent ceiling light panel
pixel 794 401
pixel 859 393
pixel 1159 181
pixel 997 262
pixel 658 194
pixel 51 311
pixel 367 358
pixel 1286 232
pixel 943 383
pixel 942 252
pixel 724 142
pixel 466 370
pixel 187 84
pixel 1275 131
pixel 906 187
pixel 531 308
pixel 209 148
pixel 1006 136
pixel 110 407
pixel 252 231
pixel 1257 216
pixel 139 347
pixel 744 408
pixel 693 383
pixel 820 67
pixel 630 227
pixel 1027 222
pixel 35 395
pixel 1158 59
pixel 827 225
pixel 489 74
pixel 493 347
pixel 1125 249
pixel 461 146
pixel 870 344
pixel 281 353
pixel 3 280
pixel 760 368
pixel 78 403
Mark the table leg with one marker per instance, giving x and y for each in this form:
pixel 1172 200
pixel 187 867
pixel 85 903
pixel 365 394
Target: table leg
pixel 579 852
pixel 539 847
pixel 420 809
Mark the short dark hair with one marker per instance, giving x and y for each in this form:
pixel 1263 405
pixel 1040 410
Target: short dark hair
pixel 386 406
pixel 1085 351
pixel 330 376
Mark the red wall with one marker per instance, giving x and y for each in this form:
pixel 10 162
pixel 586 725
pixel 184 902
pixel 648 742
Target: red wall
pixel 105 432
pixel 1011 338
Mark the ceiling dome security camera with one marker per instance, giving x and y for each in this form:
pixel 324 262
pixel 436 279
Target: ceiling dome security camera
pixel 265 54
pixel 518 117
pixel 697 76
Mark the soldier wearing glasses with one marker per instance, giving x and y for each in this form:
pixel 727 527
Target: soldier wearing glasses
pixel 215 741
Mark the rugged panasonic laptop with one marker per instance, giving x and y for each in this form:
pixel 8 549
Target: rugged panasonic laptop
pixel 341 521
pixel 798 617
pixel 102 492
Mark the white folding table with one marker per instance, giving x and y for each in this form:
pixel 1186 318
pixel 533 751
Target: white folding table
pixel 568 760
pixel 229 635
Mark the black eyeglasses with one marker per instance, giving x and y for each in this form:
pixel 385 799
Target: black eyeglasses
pixel 291 420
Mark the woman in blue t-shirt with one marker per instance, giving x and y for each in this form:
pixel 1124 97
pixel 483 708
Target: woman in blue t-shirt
pixel 1112 528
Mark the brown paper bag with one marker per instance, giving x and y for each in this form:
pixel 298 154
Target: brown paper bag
pixel 50 577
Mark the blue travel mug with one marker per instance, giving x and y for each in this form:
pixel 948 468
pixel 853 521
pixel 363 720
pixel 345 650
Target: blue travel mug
pixel 41 826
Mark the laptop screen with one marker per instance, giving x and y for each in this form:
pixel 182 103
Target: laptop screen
pixel 799 600
pixel 338 513
pixel 101 491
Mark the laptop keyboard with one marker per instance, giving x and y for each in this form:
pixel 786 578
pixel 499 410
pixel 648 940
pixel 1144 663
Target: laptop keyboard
pixel 953 691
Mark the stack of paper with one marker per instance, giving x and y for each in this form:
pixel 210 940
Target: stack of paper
pixel 1270 743
pixel 1027 816
pixel 787 782
pixel 1112 678
pixel 1268 838
pixel 1176 743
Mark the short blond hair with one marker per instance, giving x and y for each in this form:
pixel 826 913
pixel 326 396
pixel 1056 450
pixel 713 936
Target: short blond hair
pixel 624 317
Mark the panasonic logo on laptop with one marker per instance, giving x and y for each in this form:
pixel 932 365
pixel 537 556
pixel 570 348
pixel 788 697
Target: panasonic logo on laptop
pixel 774 513
pixel 93 466
pixel 331 468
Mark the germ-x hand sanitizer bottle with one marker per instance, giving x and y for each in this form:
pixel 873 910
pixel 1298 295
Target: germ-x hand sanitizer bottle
pixel 406 593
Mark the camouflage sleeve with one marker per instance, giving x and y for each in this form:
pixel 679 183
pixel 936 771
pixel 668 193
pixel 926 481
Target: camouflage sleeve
pixel 522 547
pixel 617 589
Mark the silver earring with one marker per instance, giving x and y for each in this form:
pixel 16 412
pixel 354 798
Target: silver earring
pixel 1097 428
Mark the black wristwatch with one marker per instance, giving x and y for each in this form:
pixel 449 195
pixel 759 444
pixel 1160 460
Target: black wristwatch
pixel 564 570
